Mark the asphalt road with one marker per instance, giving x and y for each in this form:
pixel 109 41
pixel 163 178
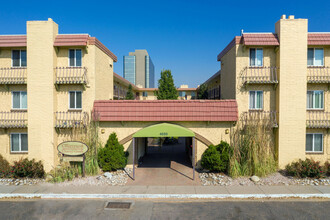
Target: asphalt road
pixel 147 209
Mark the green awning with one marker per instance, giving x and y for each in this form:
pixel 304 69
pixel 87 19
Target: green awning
pixel 164 130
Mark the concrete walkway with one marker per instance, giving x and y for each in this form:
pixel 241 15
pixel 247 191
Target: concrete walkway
pixel 56 191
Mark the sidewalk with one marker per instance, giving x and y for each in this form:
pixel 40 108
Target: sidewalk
pixel 165 191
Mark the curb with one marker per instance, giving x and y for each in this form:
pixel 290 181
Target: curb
pixel 161 196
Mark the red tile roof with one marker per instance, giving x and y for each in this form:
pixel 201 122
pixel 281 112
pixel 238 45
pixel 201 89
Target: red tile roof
pixel 13 41
pixel 235 41
pixel 97 43
pixel 318 38
pixel 264 39
pixel 125 81
pixel 71 40
pixel 166 110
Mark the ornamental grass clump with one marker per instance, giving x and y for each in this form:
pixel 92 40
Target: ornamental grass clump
pixel 253 146
pixel 63 172
pixel 112 157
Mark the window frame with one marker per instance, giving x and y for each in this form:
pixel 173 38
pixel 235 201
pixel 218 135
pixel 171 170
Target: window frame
pixel 262 107
pixel 75 100
pixel 20 58
pixel 20 100
pixel 314 100
pixel 313 65
pixel 20 142
pixel 262 60
pixel 75 57
pixel 313 151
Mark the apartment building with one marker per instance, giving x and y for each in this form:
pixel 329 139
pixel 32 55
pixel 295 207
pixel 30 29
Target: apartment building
pixel 120 88
pixel 139 69
pixel 283 76
pixel 48 84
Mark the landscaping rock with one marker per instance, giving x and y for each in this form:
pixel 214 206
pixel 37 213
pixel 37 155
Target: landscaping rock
pixel 255 179
pixel 107 175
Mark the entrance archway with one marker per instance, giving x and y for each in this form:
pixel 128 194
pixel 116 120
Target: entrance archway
pixel 164 130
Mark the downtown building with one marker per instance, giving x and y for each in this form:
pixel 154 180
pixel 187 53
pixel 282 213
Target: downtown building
pixel 139 69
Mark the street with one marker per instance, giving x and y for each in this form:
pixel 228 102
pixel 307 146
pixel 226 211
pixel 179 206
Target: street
pixel 165 209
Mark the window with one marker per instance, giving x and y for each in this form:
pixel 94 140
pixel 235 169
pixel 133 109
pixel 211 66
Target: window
pixel 256 57
pixel 75 100
pixel 256 99
pixel 19 100
pixel 18 142
pixel 182 94
pixel 193 95
pixel 315 99
pixel 18 58
pixel 145 94
pixel 315 57
pixel 314 142
pixel 75 57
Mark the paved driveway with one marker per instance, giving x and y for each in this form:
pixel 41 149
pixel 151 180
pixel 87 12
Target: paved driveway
pixel 168 165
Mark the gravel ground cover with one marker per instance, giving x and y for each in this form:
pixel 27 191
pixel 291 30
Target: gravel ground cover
pixel 209 179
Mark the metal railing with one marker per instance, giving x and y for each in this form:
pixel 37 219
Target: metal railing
pixel 260 116
pixel 15 119
pixel 71 119
pixel 71 75
pixel 13 75
pixel 317 119
pixel 317 74
pixel 260 75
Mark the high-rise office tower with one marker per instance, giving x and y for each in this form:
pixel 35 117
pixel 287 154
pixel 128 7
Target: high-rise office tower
pixel 139 69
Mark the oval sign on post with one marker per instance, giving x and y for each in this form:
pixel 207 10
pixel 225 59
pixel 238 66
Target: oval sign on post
pixel 72 148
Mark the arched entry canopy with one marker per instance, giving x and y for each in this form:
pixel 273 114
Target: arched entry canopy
pixel 164 130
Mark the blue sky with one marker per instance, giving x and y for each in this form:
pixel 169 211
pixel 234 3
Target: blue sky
pixel 183 36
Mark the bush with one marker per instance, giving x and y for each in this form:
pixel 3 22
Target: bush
pixel 28 168
pixel 63 172
pixel 112 157
pixel 216 158
pixel 5 169
pixel 305 168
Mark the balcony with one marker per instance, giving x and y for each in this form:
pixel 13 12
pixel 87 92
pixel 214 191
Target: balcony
pixel 71 119
pixel 316 74
pixel 267 117
pixel 15 119
pixel 260 75
pixel 71 75
pixel 13 75
pixel 317 119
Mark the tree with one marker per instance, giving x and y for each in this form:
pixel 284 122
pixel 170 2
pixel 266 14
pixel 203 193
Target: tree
pixel 166 88
pixel 129 94
pixel 112 157
pixel 202 92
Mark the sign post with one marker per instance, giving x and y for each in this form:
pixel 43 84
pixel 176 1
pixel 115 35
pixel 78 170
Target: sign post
pixel 73 151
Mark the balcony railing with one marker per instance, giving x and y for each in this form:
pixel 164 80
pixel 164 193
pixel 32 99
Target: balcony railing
pixel 13 119
pixel 13 75
pixel 119 92
pixel 71 119
pixel 260 75
pixel 318 74
pixel 317 119
pixel 71 75
pixel 266 117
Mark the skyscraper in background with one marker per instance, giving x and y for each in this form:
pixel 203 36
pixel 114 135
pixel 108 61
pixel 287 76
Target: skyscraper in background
pixel 139 69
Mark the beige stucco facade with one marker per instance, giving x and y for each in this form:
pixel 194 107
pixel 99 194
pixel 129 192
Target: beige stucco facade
pixel 212 131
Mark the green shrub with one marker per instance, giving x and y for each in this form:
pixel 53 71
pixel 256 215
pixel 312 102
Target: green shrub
pixel 112 157
pixel 216 158
pixel 28 168
pixel 5 169
pixel 64 172
pixel 305 168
